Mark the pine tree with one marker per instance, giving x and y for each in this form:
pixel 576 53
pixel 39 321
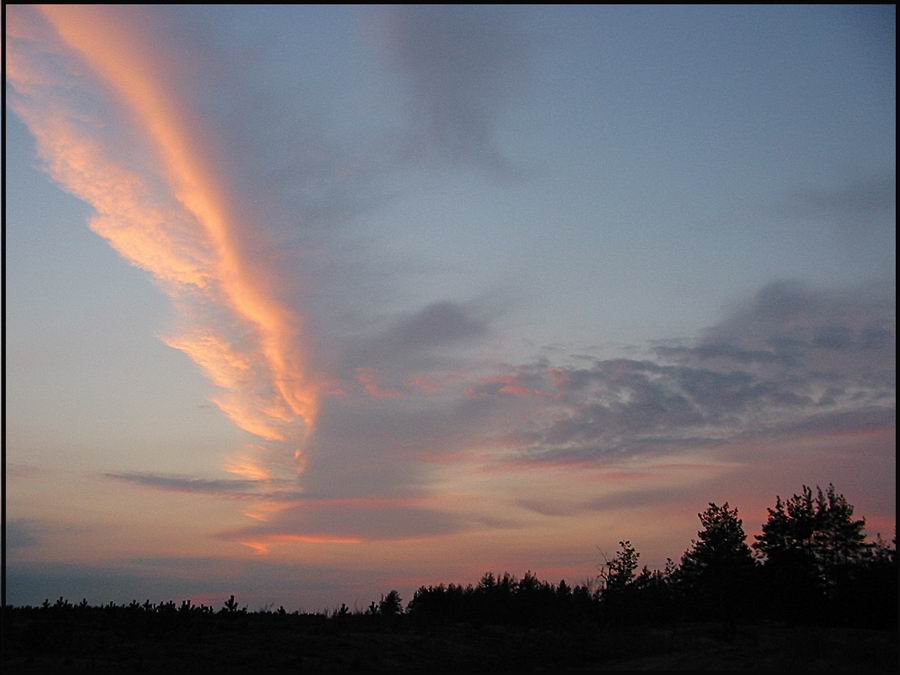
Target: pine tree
pixel 717 573
pixel 812 541
pixel 721 549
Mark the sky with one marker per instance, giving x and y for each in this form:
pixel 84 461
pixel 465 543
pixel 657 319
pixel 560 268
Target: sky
pixel 309 303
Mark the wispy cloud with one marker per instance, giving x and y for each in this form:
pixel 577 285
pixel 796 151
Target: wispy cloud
pixel 76 73
pixel 464 65
pixel 856 206
pixel 789 365
pixel 356 521
pixel 255 581
pixel 230 487
pixel 285 514
pixel 21 533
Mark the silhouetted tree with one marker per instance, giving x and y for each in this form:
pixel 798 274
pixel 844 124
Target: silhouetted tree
pixel 720 547
pixel 786 548
pixel 616 584
pixel 812 548
pixel 823 529
pixel 839 541
pixel 391 604
pixel 618 573
pixel 231 605
pixel 652 598
pixel 717 572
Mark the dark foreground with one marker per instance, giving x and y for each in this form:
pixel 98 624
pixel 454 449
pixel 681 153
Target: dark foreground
pixel 270 643
pixel 817 597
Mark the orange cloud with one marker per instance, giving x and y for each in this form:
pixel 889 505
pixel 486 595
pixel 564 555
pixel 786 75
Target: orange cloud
pixel 432 384
pixel 511 385
pixel 165 210
pixel 121 55
pixel 219 361
pixel 264 547
pixel 247 416
pixel 247 467
pixel 370 381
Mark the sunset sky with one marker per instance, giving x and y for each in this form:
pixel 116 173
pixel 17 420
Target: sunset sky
pixel 309 303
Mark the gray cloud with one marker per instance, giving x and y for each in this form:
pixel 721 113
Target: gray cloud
pixel 856 205
pixel 418 339
pixel 438 323
pixel 228 487
pixel 789 360
pixel 365 520
pixel 849 332
pixel 463 65
pixel 21 533
pixel 833 422
pixel 255 582
pixel 369 447
pixel 314 514
pixel 633 499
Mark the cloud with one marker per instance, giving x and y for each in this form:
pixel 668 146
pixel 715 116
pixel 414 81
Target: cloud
pixel 256 582
pixel 21 533
pixel 242 247
pixel 418 340
pixel 232 487
pixel 788 331
pixel 367 446
pixel 437 324
pixel 652 496
pixel 352 522
pixel 289 514
pixel 99 95
pixel 856 206
pixel 355 521
pixel 789 359
pixel 835 423
pixel 245 248
pixel 463 65
pixel 369 379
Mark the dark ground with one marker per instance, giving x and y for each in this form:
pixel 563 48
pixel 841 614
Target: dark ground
pixel 250 642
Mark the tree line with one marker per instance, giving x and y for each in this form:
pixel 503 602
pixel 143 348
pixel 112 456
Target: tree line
pixel 811 564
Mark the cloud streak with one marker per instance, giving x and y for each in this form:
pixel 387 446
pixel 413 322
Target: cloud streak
pixel 161 203
pixel 238 488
